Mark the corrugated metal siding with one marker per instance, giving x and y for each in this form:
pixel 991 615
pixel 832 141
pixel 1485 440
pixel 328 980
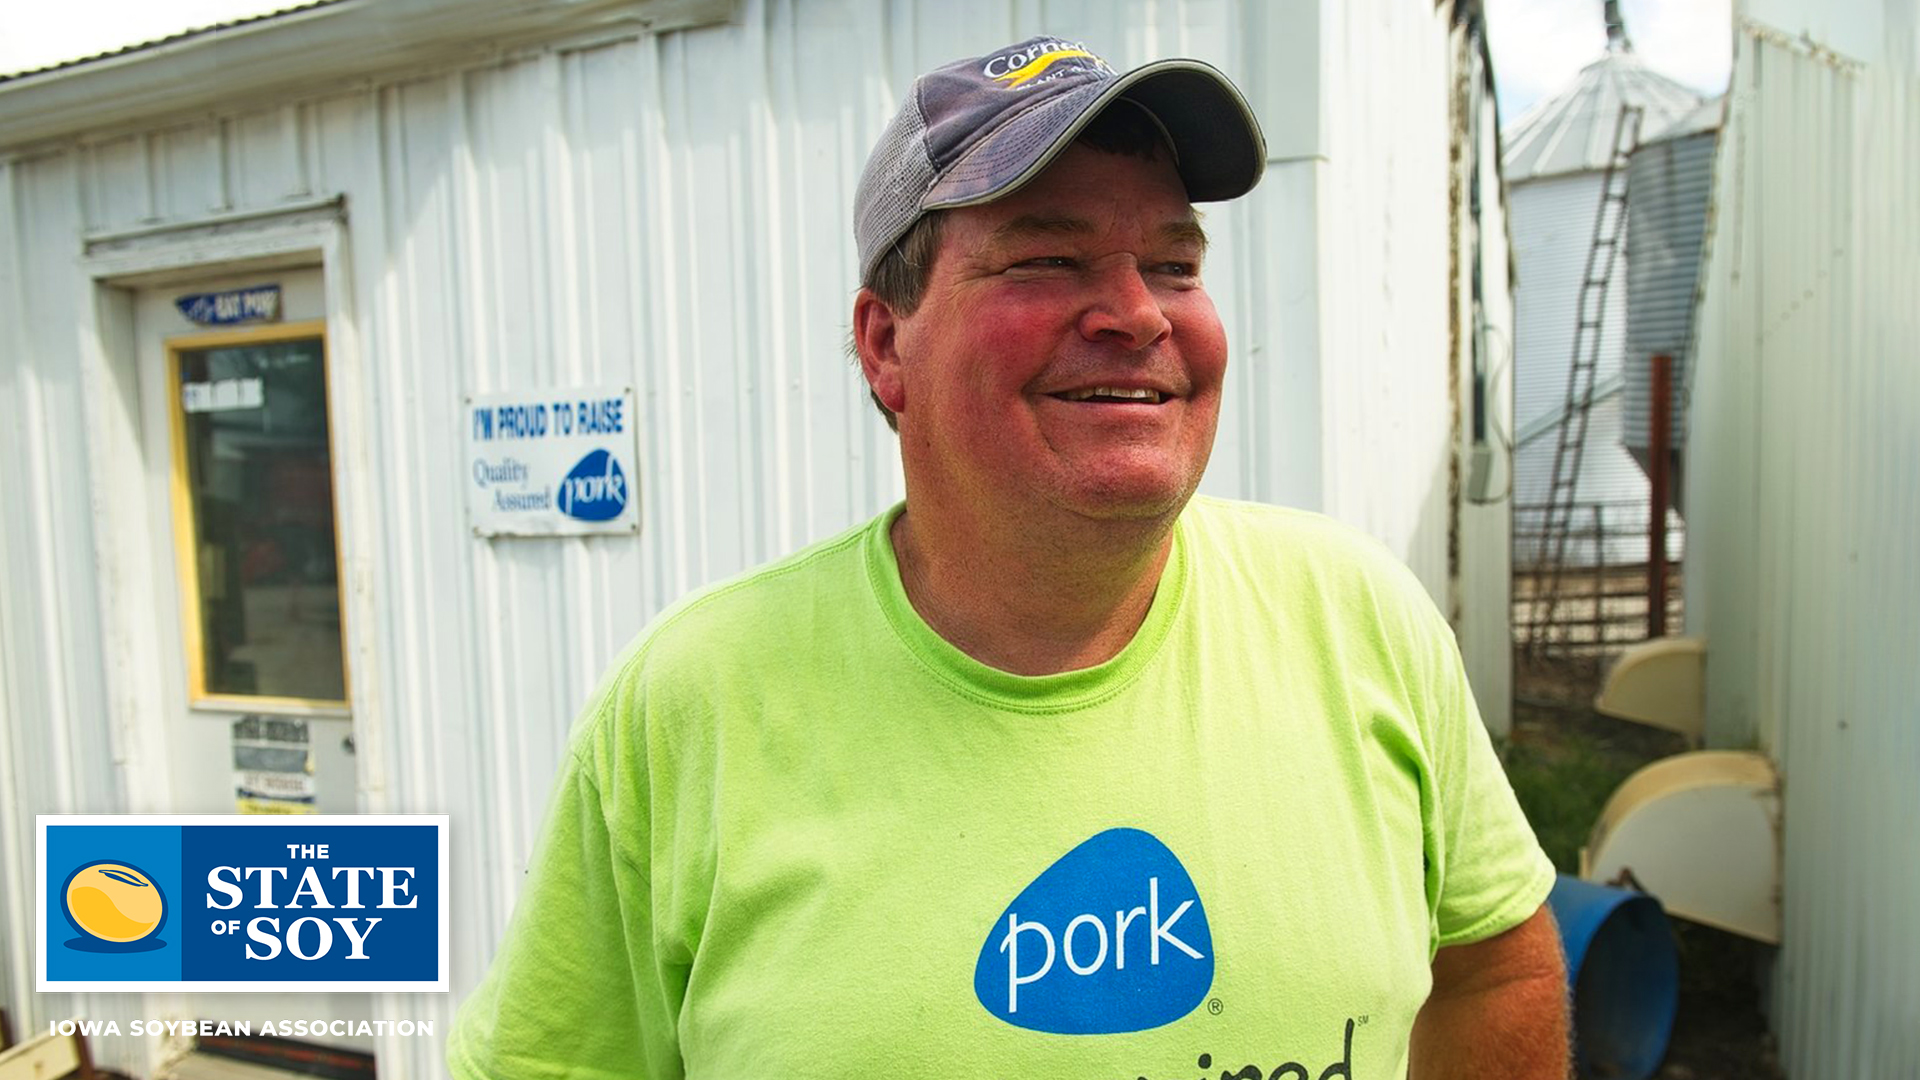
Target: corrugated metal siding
pixel 1387 444
pixel 1804 502
pixel 671 213
pixel 60 751
pixel 1552 234
pixel 1668 185
pixel 1486 530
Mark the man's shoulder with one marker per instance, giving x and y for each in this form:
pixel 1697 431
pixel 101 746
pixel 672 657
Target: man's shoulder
pixel 1261 532
pixel 766 602
pixel 730 641
pixel 1264 549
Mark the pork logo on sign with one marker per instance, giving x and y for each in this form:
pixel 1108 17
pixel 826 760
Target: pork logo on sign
pixel 596 489
pixel 1111 938
pixel 258 304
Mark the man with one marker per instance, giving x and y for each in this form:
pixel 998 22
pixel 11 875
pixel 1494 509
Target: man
pixel 1055 770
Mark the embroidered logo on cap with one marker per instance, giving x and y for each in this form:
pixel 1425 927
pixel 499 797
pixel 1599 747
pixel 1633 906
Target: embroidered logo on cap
pixel 1016 70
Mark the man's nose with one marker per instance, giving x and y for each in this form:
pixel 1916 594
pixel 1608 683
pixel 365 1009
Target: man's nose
pixel 1123 307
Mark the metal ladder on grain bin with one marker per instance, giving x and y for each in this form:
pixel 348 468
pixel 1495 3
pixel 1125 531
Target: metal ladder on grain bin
pixel 1609 234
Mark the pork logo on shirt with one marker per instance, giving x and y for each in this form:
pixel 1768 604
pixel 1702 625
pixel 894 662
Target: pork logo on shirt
pixel 1111 938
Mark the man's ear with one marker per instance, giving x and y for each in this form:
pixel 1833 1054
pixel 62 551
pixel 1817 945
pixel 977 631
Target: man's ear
pixel 876 337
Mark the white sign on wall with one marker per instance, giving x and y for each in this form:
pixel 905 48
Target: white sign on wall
pixel 552 463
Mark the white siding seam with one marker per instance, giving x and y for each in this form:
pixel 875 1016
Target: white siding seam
pixel 17 835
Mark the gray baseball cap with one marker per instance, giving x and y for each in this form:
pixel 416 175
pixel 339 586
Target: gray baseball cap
pixel 978 129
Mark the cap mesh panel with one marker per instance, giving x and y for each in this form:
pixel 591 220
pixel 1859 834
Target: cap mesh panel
pixel 896 178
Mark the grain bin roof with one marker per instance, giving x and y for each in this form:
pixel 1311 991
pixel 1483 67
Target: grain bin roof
pixel 1573 131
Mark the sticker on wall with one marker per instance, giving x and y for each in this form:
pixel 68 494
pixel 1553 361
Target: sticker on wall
pixel 552 463
pixel 261 303
pixel 272 766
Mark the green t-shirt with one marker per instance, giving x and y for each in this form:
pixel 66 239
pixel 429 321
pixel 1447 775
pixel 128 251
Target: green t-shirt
pixel 800 835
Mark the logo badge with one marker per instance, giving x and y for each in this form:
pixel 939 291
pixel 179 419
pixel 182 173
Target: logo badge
pixel 1024 67
pixel 258 304
pixel 116 907
pixel 242 904
pixel 596 489
pixel 1033 69
pixel 1111 938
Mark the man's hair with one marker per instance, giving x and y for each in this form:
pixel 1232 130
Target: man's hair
pixel 900 278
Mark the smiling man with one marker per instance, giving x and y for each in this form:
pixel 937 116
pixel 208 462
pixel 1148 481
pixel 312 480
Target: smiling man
pixel 1055 769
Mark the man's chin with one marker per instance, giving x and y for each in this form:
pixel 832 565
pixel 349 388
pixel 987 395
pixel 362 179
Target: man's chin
pixel 1122 499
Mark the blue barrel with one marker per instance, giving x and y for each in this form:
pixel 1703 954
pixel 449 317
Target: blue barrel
pixel 1624 974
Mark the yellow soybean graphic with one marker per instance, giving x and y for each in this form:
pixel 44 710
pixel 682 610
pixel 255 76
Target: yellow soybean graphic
pixel 114 902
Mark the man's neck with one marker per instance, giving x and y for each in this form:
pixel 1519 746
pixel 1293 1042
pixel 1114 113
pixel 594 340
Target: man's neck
pixel 1031 601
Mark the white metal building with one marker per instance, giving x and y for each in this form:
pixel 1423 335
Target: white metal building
pixel 1803 503
pixel 1556 155
pixel 467 197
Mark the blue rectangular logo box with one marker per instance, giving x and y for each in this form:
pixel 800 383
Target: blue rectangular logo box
pixel 252 904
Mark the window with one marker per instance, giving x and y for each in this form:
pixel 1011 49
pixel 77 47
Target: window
pixel 253 518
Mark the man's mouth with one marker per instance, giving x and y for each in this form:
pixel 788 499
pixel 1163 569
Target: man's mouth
pixel 1113 394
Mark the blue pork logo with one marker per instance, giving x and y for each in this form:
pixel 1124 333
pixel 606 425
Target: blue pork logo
pixel 596 489
pixel 1111 938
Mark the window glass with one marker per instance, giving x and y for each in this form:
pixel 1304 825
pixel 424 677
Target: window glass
pixel 259 493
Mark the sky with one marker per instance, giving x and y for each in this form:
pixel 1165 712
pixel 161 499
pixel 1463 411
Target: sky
pixel 1538 45
pixel 35 34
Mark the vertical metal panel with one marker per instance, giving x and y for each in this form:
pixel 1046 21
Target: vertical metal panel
pixel 1855 28
pixel 1803 503
pixel 1552 233
pixel 1482 605
pixel 266 166
pixel 1668 185
pixel 180 181
pixel 119 181
pixel 16 701
pixel 672 213
pixel 1387 438
pixel 1272 435
pixel 58 742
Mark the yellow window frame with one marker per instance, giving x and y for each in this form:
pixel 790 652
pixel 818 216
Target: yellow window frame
pixel 186 540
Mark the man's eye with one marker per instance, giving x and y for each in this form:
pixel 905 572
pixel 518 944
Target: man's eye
pixel 1181 269
pixel 1046 262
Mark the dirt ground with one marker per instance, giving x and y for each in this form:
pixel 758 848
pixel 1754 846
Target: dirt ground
pixel 1565 759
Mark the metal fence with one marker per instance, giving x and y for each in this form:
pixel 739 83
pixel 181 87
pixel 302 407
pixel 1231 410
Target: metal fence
pixel 1604 592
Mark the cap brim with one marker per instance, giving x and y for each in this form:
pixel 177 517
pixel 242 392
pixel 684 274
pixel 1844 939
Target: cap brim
pixel 1217 144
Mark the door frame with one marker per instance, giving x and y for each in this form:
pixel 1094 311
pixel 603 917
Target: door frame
pixel 130 573
pixel 186 527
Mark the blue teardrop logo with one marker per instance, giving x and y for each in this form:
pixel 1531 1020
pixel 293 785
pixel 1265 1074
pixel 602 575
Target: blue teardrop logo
pixel 1111 938
pixel 596 489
